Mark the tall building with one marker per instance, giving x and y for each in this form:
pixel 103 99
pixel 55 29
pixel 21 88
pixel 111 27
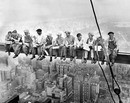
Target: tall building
pixel 77 94
pixel 86 90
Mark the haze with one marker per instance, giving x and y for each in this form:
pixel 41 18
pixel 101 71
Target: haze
pixel 23 14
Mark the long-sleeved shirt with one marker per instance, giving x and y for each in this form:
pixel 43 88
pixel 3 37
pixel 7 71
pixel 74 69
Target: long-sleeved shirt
pixel 60 41
pixel 8 39
pixel 78 43
pixel 49 41
pixel 112 43
pixel 69 40
pixel 27 39
pixel 34 41
pixel 16 37
pixel 40 40
pixel 88 43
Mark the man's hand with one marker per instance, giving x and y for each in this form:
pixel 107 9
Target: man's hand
pixel 117 50
pixel 74 47
pixel 90 47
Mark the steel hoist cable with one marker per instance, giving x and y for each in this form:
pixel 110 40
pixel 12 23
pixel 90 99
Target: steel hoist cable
pixel 95 18
pixel 117 90
pixel 105 77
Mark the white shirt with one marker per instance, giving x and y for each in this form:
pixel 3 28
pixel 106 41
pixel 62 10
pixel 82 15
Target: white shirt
pixel 39 38
pixel 90 43
pixel 79 43
pixel 34 43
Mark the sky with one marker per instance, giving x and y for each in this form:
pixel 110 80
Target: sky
pixel 20 14
pixel 25 10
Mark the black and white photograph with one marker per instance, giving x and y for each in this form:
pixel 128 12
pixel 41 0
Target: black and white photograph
pixel 64 51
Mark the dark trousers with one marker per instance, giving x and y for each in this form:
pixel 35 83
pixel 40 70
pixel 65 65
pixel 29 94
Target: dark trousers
pixel 17 48
pixel 34 50
pixel 112 55
pixel 7 47
pixel 101 56
pixel 71 51
pixel 27 48
pixel 50 51
pixel 78 50
pixel 58 52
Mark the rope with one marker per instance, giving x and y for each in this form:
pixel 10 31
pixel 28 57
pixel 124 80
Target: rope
pixel 96 18
pixel 109 63
pixel 105 77
pixel 117 90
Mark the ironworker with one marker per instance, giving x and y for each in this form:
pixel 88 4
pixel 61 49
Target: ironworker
pixel 38 43
pixel 100 46
pixel 69 44
pixel 58 46
pixel 112 48
pixel 27 42
pixel 89 46
pixel 48 45
pixel 34 47
pixel 17 43
pixel 8 42
pixel 79 44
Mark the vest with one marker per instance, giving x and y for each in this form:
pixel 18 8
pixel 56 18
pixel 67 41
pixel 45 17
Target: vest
pixel 112 44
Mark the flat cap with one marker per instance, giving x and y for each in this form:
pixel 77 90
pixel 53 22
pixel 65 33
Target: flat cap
pixel 67 32
pixel 26 31
pixel 39 30
pixel 90 34
pixel 111 33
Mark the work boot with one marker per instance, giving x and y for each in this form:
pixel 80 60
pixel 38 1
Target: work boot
pixel 107 63
pixel 15 56
pixel 64 58
pixel 102 63
pixel 42 57
pixel 74 59
pixel 50 59
pixel 113 61
pixel 55 57
pixel 71 59
pixel 9 53
pixel 39 58
pixel 26 54
pixel 85 60
pixel 33 57
pixel 61 58
pixel 92 61
pixel 112 64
